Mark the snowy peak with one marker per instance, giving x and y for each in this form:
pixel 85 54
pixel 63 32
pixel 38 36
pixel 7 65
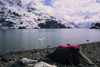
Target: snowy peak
pixel 87 17
pixel 31 4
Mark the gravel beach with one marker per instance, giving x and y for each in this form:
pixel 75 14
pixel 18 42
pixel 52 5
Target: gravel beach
pixel 91 50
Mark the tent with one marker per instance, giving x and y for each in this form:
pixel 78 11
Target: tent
pixel 70 55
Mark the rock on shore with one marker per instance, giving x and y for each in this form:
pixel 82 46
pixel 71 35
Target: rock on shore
pixel 91 50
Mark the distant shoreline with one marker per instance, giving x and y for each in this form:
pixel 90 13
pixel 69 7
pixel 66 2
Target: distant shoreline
pixel 91 50
pixel 49 47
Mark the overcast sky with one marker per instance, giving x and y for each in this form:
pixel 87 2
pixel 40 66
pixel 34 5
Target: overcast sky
pixel 73 10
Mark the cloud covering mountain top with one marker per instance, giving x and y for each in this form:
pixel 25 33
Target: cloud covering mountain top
pixel 72 10
pixel 76 10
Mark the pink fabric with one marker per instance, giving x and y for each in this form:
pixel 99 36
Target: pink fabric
pixel 73 46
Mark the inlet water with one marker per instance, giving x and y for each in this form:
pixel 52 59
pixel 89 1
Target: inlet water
pixel 26 39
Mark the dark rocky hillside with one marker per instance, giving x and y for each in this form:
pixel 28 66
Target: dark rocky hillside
pixel 52 24
pixel 96 26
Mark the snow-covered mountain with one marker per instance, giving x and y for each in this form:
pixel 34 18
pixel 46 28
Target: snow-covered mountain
pixel 84 24
pixel 14 14
pixel 87 23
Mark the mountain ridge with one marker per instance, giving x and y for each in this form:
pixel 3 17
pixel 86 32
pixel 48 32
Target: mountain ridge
pixel 14 14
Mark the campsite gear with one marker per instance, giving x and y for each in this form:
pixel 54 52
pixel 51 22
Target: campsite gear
pixel 69 55
pixel 23 62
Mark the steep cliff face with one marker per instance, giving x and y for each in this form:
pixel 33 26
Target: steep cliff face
pixel 13 14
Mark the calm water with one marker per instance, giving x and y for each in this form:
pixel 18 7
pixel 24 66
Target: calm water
pixel 25 39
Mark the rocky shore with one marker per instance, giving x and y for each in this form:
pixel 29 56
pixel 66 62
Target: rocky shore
pixel 91 50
